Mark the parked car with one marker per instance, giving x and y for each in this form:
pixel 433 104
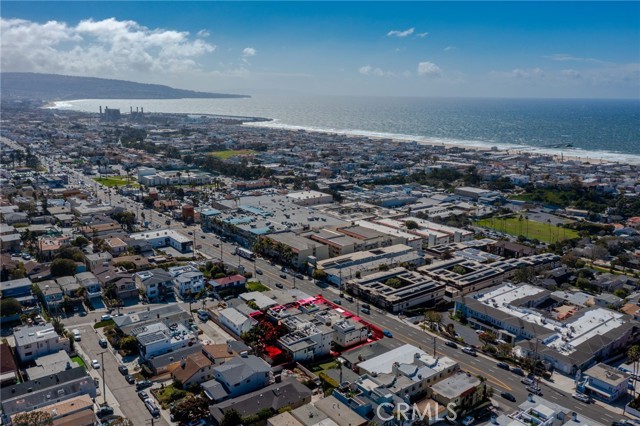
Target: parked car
pixel 283 276
pixel 517 370
pixel 76 335
pixel 95 364
pixel 534 390
pixel 503 365
pixel 123 370
pixel 387 333
pixel 349 299
pixel 582 397
pixel 104 411
pixel 143 384
pixel 366 306
pixel 451 344
pixel 259 271
pixel 469 351
pixel 508 396
pixel 527 381
pixel 300 276
pixel 105 317
pixel 143 395
pixel 337 301
pixel 468 421
pixel 130 379
pixel 153 408
pixel 279 285
pixel 103 343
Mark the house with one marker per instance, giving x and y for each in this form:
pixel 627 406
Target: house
pixel 168 362
pixel 228 282
pixel 604 382
pixel 51 294
pixel 97 259
pixel 116 246
pixel 156 338
pixel 38 340
pixel 10 243
pixel 606 300
pixel 221 353
pixel 90 282
pixel 77 411
pixel 288 393
pixel 8 369
pixel 36 394
pixel 241 375
pixel 193 370
pixel 340 412
pixel 462 390
pixel 155 283
pixel 235 321
pixel 69 286
pixel 19 289
pixel 119 278
pixel 188 284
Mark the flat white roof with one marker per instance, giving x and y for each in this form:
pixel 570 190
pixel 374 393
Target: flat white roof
pixel 161 233
pixel 383 364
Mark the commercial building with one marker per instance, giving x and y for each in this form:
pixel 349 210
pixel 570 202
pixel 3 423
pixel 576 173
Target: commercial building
pixel 165 238
pixel 397 289
pixel 604 382
pixel 463 390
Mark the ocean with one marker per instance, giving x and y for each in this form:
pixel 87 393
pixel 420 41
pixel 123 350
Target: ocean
pixel 586 128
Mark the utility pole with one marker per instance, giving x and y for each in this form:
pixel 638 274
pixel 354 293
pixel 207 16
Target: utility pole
pixel 434 346
pixel 104 383
pixel 340 283
pixel 294 280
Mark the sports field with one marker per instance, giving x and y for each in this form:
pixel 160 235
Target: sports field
pixel 112 181
pixel 530 229
pixel 224 155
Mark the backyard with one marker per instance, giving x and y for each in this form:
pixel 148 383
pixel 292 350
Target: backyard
pixel 256 286
pixel 530 229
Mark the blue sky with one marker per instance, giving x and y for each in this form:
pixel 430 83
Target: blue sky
pixel 502 49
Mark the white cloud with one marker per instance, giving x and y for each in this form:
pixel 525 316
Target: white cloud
pixel 571 73
pixel 518 73
pixel 248 52
pixel 429 69
pixel 405 33
pixel 422 35
pixel 109 48
pixel 449 48
pixel 369 70
pixel 563 57
pixel 203 33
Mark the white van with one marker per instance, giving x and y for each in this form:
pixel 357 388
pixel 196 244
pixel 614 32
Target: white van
pixel 76 335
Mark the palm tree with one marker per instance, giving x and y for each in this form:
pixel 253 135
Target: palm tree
pixel 634 356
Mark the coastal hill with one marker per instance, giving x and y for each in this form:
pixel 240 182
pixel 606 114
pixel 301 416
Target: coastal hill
pixel 54 87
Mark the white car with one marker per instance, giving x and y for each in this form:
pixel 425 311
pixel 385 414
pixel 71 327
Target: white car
pixel 95 364
pixel 76 335
pixel 582 397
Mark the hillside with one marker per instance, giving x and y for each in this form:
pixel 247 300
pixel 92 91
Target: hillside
pixel 53 87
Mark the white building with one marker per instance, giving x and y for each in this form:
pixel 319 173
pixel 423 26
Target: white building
pixel 310 198
pixel 157 339
pixel 38 340
pixel 308 342
pixel 235 321
pixel 165 238
pixel 188 284
pixel 348 333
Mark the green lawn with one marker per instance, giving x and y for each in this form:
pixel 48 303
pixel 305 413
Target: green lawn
pixel 322 367
pixel 529 228
pixel 112 181
pixel 256 286
pixel 78 361
pixel 105 323
pixel 224 155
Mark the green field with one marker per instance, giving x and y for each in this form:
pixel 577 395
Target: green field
pixel 225 155
pixel 112 181
pixel 529 228
pixel 256 286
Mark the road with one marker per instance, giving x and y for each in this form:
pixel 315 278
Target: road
pixel 500 380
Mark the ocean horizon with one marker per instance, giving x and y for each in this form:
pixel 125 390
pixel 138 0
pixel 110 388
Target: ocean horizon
pixel 593 129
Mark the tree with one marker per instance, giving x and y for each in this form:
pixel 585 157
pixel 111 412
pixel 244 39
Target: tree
pixel 458 269
pixel 33 418
pixel 121 422
pixel 411 224
pixel 231 418
pixel 129 344
pixel 63 267
pixel 634 357
pixel 319 274
pixel 393 282
pixel 524 275
pixel 10 306
pixel 433 318
pixel 196 408
pixel 58 327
